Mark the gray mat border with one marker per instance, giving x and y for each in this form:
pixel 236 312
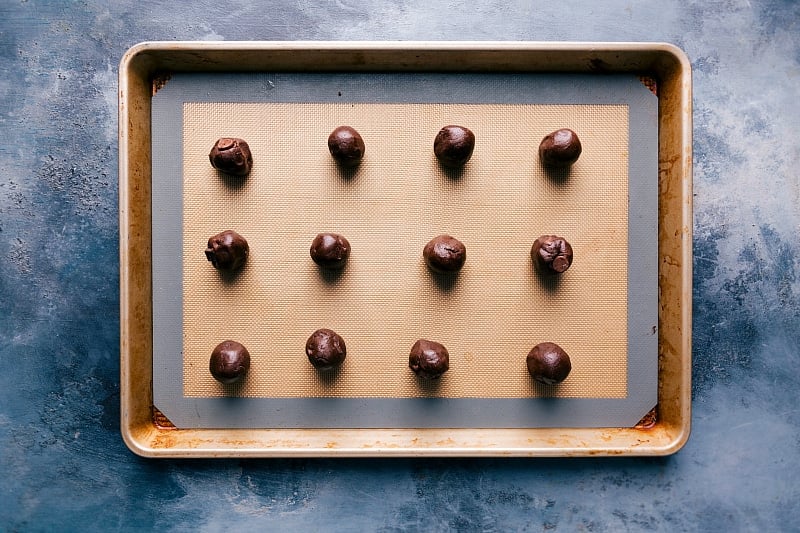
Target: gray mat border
pixel 472 88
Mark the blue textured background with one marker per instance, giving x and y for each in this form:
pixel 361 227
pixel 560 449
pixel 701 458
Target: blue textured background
pixel 63 463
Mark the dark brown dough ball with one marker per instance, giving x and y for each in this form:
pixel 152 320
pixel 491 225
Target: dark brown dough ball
pixel 560 148
pixel 325 349
pixel 548 363
pixel 346 146
pixel 428 359
pixel 232 156
pixel 227 250
pixel 229 363
pixel 330 250
pixel 453 145
pixel 551 254
pixel 444 254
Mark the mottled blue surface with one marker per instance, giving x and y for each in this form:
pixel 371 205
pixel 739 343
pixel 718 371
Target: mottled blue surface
pixel 63 463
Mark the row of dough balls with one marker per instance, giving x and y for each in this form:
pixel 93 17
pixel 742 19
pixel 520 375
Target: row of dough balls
pixel 444 254
pixel 453 147
pixel 547 362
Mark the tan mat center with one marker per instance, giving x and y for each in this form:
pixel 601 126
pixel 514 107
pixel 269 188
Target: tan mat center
pixel 494 312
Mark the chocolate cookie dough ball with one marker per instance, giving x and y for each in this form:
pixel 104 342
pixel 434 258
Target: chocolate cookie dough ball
pixel 227 250
pixel 551 254
pixel 230 361
pixel 330 250
pixel 560 148
pixel 346 146
pixel 453 146
pixel 548 363
pixel 444 254
pixel 232 156
pixel 428 359
pixel 325 349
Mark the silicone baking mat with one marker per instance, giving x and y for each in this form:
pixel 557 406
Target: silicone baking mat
pixel 601 311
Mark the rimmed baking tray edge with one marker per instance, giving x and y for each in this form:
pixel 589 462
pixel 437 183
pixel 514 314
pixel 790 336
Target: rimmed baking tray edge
pixel 147 62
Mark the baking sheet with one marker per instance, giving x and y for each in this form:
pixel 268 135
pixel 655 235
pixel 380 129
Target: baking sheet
pixel 598 401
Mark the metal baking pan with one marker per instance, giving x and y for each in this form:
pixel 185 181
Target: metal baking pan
pixel 146 66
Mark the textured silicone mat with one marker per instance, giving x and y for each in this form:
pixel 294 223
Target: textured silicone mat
pixel 489 316
pixel 494 311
